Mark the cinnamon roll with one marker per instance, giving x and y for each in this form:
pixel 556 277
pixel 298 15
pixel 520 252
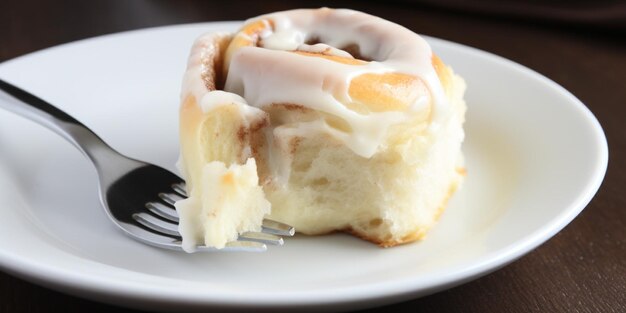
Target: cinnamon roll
pixel 352 123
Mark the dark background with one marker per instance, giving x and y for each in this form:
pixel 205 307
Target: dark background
pixel 579 44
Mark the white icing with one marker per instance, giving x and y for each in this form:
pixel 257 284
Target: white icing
pixel 270 74
pixel 283 39
pixel 261 76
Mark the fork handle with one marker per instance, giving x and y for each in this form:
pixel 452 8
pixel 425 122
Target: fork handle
pixel 34 108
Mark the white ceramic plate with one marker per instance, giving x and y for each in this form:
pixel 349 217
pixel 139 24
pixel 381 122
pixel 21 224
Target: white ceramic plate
pixel 535 156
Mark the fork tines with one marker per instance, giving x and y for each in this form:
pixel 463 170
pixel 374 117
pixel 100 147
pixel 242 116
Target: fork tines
pixel 162 218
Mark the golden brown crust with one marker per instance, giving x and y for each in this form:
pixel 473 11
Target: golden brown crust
pixel 443 72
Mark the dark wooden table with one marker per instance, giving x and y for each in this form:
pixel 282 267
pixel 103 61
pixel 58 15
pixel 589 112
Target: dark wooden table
pixel 582 269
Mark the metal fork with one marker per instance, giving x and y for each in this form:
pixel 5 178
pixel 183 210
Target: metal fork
pixel 137 196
